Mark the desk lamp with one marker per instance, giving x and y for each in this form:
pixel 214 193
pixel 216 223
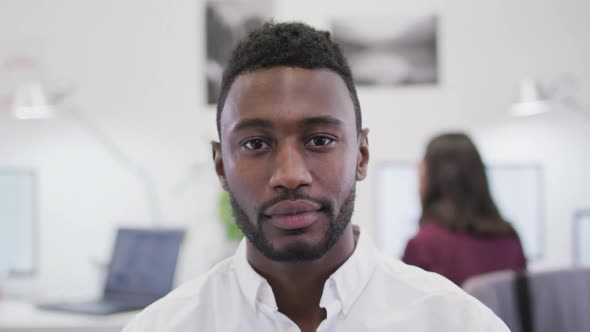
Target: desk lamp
pixel 32 102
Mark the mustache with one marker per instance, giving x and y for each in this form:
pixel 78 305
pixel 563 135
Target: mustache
pixel 326 206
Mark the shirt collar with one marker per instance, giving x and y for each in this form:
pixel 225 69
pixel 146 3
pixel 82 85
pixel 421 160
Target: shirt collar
pixel 352 277
pixel 249 280
pixel 349 280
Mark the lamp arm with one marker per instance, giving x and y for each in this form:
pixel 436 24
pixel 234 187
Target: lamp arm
pixel 150 189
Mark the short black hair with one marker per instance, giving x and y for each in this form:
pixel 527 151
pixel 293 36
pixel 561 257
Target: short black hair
pixel 290 44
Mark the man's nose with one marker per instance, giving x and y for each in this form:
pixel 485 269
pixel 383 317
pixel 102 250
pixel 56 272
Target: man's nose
pixel 290 170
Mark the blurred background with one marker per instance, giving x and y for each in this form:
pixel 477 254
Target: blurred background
pixel 129 84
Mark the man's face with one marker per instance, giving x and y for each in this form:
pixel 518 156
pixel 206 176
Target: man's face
pixel 290 156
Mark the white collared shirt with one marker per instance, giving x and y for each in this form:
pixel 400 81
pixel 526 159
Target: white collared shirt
pixel 369 292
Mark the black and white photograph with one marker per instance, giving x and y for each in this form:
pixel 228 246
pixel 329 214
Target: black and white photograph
pixel 227 21
pixel 390 51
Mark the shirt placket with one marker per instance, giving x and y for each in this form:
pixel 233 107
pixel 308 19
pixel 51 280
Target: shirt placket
pixel 279 321
pixel 266 303
pixel 333 305
pixel 330 301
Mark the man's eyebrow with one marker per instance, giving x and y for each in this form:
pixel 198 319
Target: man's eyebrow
pixel 311 121
pixel 321 120
pixel 252 123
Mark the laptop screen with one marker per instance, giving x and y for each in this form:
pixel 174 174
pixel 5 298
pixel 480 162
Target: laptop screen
pixel 143 262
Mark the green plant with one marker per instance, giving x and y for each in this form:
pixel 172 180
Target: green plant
pixel 232 231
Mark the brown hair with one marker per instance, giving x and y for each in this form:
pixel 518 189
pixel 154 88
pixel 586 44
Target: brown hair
pixel 456 192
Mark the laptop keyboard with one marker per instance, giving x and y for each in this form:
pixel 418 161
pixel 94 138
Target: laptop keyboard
pixel 99 307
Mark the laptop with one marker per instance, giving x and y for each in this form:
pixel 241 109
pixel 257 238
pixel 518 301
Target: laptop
pixel 140 272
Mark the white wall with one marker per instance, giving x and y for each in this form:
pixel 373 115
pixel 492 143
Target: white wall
pixel 138 68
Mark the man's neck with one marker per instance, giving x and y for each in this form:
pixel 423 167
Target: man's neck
pixel 298 286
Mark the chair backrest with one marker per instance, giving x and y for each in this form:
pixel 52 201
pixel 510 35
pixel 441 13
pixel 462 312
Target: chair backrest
pixel 559 299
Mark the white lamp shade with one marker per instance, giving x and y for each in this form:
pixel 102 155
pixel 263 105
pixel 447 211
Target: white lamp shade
pixel 530 101
pixel 31 102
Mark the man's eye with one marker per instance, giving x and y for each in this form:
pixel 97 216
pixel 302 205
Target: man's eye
pixel 255 144
pixel 320 141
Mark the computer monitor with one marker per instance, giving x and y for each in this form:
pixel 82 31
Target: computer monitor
pixel 18 222
pixel 517 190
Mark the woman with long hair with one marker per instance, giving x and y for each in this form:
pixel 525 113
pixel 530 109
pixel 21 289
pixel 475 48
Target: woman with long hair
pixel 462 233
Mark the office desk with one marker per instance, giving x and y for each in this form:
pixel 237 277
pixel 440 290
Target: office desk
pixel 23 316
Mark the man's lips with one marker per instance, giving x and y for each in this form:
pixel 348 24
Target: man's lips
pixel 293 214
pixel 288 207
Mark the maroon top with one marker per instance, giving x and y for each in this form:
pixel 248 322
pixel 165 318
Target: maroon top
pixel 459 256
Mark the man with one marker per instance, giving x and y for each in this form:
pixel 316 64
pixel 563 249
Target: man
pixel 290 152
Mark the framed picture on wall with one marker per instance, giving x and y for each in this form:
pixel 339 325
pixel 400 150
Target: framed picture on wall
pixel 390 51
pixel 581 238
pixel 227 21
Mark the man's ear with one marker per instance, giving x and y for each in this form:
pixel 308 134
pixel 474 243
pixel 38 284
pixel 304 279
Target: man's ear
pixel 363 156
pixel 218 161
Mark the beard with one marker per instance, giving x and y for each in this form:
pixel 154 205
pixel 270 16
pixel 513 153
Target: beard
pixel 254 232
